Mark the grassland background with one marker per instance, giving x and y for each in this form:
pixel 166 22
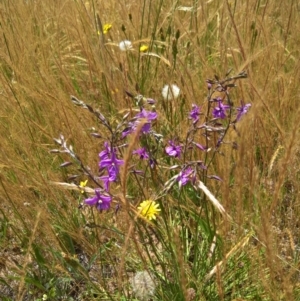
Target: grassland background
pixel 50 50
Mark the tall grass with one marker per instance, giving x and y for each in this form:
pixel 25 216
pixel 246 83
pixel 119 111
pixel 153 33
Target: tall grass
pixel 53 248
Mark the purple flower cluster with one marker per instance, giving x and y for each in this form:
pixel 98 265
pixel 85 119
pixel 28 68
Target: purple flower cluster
pixel 219 111
pixel 188 174
pixel 148 116
pixel 218 108
pixel 111 164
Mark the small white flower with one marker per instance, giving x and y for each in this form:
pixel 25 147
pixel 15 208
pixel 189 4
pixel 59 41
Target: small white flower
pixel 170 92
pixel 143 285
pixel 125 45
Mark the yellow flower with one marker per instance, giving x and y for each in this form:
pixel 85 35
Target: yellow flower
pixel 82 185
pixel 149 209
pixel 144 48
pixel 106 28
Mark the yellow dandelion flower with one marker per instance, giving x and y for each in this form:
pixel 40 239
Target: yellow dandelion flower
pixel 149 209
pixel 106 28
pixel 82 185
pixel 144 48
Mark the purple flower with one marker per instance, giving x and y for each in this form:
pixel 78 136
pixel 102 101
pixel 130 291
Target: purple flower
pixel 105 153
pixel 146 128
pixel 185 176
pixel 113 172
pixel 112 161
pixel 129 129
pixel 148 115
pixel 220 110
pixel 173 150
pixel 142 153
pixel 195 113
pixel 109 160
pixel 100 200
pixel 242 110
pixel 112 166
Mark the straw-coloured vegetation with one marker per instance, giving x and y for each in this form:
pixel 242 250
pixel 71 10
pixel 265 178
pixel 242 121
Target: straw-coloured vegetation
pixel 149 150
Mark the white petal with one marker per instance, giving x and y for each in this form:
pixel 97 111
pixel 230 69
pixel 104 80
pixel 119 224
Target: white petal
pixel 170 92
pixel 125 45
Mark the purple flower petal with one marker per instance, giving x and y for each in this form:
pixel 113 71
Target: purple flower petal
pixel 100 200
pixel 91 201
pixel 106 152
pixel 220 110
pixel 185 176
pixel 195 113
pixel 143 114
pixel 173 150
pixel 242 110
pixel 150 116
pixel 142 153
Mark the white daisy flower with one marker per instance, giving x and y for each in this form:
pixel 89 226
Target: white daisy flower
pixel 125 45
pixel 170 92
